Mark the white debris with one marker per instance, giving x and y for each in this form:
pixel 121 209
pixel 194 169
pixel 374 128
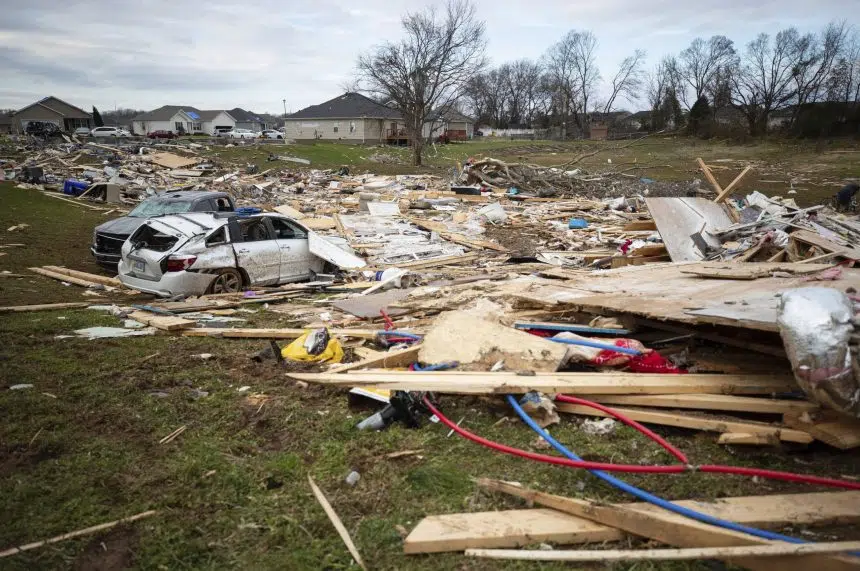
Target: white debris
pixel 598 427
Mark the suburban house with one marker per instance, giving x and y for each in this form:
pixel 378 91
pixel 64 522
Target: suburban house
pixel 351 118
pixel 249 120
pixel 453 124
pixel 355 118
pixel 51 110
pixel 182 119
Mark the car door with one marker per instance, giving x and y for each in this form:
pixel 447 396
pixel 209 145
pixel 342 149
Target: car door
pixel 296 258
pixel 257 251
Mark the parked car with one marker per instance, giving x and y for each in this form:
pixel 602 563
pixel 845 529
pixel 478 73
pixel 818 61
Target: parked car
pixel 272 134
pixel 161 134
pixel 196 253
pixel 82 132
pixel 241 134
pixel 109 132
pixel 109 237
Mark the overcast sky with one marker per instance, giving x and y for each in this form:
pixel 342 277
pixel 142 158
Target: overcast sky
pixel 220 54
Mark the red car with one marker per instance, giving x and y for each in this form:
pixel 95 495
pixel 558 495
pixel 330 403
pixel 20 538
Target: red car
pixel 161 135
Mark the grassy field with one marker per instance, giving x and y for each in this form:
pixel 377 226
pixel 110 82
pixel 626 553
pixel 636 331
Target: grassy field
pixel 81 446
pixel 815 171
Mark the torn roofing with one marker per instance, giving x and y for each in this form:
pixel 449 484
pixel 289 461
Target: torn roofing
pixel 347 106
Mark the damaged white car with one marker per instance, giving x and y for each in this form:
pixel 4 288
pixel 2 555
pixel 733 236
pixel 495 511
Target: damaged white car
pixel 199 253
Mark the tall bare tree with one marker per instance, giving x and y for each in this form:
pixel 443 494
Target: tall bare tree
pixel 816 55
pixel 763 81
pixel 572 66
pixel 843 83
pixel 628 81
pixel 698 64
pixel 429 67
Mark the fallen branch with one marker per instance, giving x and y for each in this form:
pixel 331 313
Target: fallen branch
pixel 78 533
pixel 338 525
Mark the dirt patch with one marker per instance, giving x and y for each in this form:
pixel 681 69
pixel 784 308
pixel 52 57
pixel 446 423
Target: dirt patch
pixel 110 552
pixel 518 241
pixel 19 458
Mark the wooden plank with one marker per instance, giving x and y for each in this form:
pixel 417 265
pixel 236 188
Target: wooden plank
pixel 813 239
pixel 516 528
pixel 274 333
pixel 70 201
pixel 828 427
pixel 319 223
pixel 335 521
pixel 104 280
pixel 171 161
pixel 43 307
pixel 697 423
pixel 640 225
pixel 689 554
pixel 709 176
pixel 672 529
pixel 288 210
pixel 728 403
pixel 462 382
pixel 70 279
pixel 436 262
pixel 728 190
pixel 163 322
pixel 400 358
pixel 750 271
pixel 746 439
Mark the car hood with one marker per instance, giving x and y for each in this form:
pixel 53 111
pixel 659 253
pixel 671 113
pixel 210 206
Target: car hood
pixel 125 225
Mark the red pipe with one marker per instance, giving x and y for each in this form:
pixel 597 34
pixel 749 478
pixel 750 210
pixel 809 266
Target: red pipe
pixel 629 422
pixel 770 474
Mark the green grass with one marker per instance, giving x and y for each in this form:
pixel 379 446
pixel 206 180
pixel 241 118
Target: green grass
pixel 81 447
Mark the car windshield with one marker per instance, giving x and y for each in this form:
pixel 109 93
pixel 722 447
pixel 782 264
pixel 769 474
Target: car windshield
pixel 150 208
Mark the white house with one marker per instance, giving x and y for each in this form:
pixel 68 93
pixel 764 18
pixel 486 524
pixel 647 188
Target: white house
pixel 181 119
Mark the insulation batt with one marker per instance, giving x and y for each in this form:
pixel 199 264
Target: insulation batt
pixel 815 326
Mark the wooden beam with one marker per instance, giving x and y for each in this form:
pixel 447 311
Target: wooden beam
pixel 335 521
pixel 828 427
pixel 673 529
pixel 697 423
pixel 638 225
pixel 163 322
pixel 709 402
pixel 391 359
pixel 745 439
pixel 104 280
pixel 464 382
pixel 274 333
pixel 726 191
pixel 689 554
pixel 70 279
pixel 43 307
pixel 709 176
pixel 516 528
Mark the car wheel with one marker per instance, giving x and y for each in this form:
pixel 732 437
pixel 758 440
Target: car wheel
pixel 227 281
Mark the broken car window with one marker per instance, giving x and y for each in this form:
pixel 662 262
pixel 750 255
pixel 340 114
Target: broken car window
pixel 286 231
pixel 151 239
pixel 150 208
pixel 217 237
pixel 254 230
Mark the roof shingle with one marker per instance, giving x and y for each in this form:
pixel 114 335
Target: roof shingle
pixel 347 106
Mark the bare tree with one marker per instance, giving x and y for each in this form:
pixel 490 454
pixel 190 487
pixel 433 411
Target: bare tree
pixel 572 66
pixel 699 63
pixel 763 82
pixel 428 68
pixel 816 56
pixel 843 83
pixel 628 80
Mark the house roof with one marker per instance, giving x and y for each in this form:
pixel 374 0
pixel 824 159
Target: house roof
pixel 46 102
pixel 243 116
pixel 5 119
pixel 210 114
pixel 452 116
pixel 165 113
pixel 347 106
pixel 641 115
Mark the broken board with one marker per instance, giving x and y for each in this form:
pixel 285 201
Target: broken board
pixel 516 528
pixel 171 161
pixel 679 218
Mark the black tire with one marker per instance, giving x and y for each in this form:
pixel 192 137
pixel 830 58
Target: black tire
pixel 228 280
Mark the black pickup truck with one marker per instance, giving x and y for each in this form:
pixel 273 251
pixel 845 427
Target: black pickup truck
pixel 109 237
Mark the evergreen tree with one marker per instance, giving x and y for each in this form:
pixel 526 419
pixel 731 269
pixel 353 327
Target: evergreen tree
pixel 97 118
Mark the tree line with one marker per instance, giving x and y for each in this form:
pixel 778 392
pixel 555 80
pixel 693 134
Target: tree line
pixel 785 72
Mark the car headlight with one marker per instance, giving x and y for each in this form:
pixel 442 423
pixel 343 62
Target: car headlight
pixel 95 234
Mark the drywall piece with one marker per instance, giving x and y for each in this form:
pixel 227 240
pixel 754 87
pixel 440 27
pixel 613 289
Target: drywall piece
pixel 679 218
pixel 331 253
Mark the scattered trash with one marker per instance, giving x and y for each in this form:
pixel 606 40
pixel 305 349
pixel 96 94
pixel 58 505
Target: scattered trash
pixel 20 386
pixel 353 478
pixel 598 427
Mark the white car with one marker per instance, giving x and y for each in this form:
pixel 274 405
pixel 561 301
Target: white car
pixel 109 132
pixel 241 134
pixel 198 253
pixel 272 134
pixel 82 132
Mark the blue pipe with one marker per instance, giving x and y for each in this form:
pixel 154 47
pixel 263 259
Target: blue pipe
pixel 647 496
pixel 596 345
pixel 400 334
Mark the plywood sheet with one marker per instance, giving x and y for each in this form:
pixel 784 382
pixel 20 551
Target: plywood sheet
pixel 678 218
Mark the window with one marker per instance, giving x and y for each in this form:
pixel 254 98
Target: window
pixel 224 205
pixel 287 231
pixel 254 230
pixel 178 126
pixel 197 126
pixel 335 128
pixel 219 236
pixel 151 208
pixel 352 126
pixel 204 206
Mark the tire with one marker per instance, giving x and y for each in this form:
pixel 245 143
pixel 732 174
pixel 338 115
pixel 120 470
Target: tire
pixel 228 280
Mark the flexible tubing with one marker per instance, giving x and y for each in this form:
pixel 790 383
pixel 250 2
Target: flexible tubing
pixel 596 345
pixel 629 422
pixel 636 468
pixel 400 334
pixel 647 496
